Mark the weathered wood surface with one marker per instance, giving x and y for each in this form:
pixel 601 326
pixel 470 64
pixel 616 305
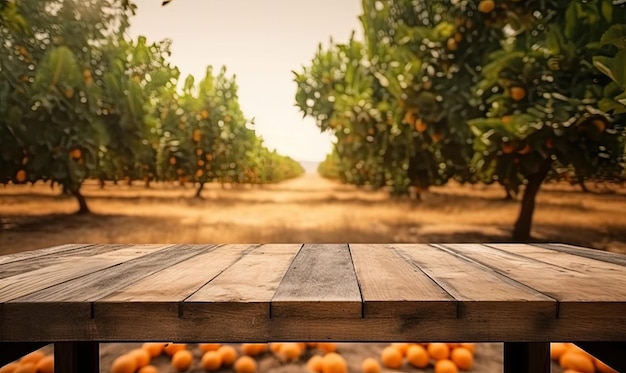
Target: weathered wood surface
pixel 342 292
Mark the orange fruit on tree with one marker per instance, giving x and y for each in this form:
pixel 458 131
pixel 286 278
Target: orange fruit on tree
pixel 315 364
pixel 370 365
pixel 451 44
pixel 154 348
pixel 517 93
pixel 172 160
pixel 211 360
pixel 438 350
pixel 182 360
pixel 486 6
pixel 578 361
pixel 391 357
pixel 9 368
pixel 76 153
pixel 228 354
pixel 124 364
pixel 417 356
pixel 245 364
pixel 45 364
pixel 172 348
pixel 599 124
pixel 197 135
pixel 445 366
pixel 525 150
pixel 462 357
pixel 148 369
pixel 205 347
pixel 557 349
pixel 332 362
pixel 26 368
pixel 508 147
pixel 142 356
pixel 506 119
pixel 420 126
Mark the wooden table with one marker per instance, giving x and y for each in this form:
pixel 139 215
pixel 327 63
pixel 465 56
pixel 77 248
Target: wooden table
pixel 76 296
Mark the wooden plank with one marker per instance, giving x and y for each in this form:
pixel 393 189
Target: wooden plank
pixel 67 269
pixel 606 256
pixel 579 294
pixel 524 357
pixel 54 250
pixel 482 294
pixel 320 282
pixel 392 287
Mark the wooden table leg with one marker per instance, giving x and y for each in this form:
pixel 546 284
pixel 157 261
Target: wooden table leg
pixel 77 357
pixel 526 357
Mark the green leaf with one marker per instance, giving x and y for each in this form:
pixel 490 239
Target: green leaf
pixel 615 35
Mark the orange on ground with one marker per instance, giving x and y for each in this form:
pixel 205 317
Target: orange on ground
pixel 20 176
pixel 275 347
pixel 517 93
pixel 245 364
pixel 205 347
pixel 148 369
pixel 9 368
pixel 557 349
pixel 332 362
pixel 575 360
pixel 228 354
pixel 438 351
pixel 211 360
pixel 33 357
pixel 289 352
pixel 391 357
pixel 172 348
pixel 45 364
pixel 445 366
pixel 470 346
pixel 463 358
pixel 603 368
pixel 327 346
pixel 370 365
pixel 141 355
pixel 486 6
pixel 253 349
pixel 182 360
pixel 417 356
pixel 315 364
pixel 124 364
pixel 26 368
pixel 154 348
pixel 402 347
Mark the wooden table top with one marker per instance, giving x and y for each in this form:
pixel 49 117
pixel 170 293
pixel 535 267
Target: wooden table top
pixel 313 292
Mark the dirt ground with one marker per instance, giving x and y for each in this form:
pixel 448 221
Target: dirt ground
pixel 306 209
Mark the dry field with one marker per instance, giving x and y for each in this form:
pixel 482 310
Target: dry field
pixel 307 209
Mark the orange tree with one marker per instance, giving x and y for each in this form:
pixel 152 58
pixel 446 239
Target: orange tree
pixel 45 102
pixel 547 104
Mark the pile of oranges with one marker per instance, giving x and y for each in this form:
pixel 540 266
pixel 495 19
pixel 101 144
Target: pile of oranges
pixel 445 357
pixel 35 362
pixel 573 359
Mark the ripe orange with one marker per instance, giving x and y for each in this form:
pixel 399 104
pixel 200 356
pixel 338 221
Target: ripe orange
pixel 26 368
pixel 486 6
pixel 211 360
pixel 154 348
pixel 172 348
pixel 327 346
pixel 76 154
pixel 420 126
pixel 599 124
pixel 9 368
pixel 32 357
pixel 289 352
pixel 557 349
pixel 315 364
pixel 142 356
pixel 402 347
pixel 197 135
pixel 148 369
pixel 518 93
pixel 332 362
pixel 462 357
pixel 391 357
pixel 417 356
pixel 603 368
pixel 205 347
pixel 370 365
pixel 525 150
pixel 253 349
pixel 45 364
pixel 228 354
pixel 182 360
pixel 172 160
pixel 245 364
pixel 20 177
pixel 575 360
pixel 470 346
pixel 438 351
pixel 124 364
pixel 506 119
pixel 445 366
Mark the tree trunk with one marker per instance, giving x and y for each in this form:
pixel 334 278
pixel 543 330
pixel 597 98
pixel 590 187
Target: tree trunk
pixel 521 231
pixel 82 203
pixel 199 191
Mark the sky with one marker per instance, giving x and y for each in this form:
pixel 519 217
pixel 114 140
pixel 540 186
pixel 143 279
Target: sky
pixel 261 42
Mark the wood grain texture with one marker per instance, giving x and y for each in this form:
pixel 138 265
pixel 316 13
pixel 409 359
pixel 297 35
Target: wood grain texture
pixel 586 252
pixel 320 282
pixel 392 287
pixel 54 250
